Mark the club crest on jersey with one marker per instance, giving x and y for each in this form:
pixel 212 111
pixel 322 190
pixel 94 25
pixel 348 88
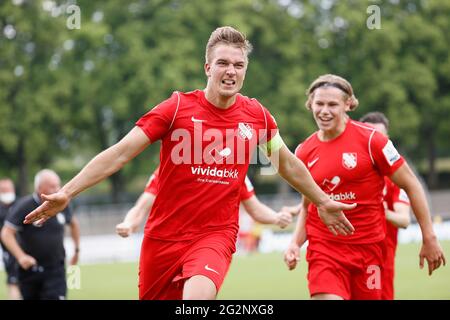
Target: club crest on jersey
pixel 245 131
pixel 349 160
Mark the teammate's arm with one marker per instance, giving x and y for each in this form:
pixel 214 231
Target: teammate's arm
pixel 400 217
pixel 431 250
pixel 293 210
pixel 8 235
pixel 295 173
pixel 99 168
pixel 135 215
pixel 263 214
pixel 75 235
pixel 292 253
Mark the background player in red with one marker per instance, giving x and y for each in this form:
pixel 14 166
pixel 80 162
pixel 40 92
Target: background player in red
pixel 208 138
pixel 141 208
pixel 397 210
pixel 349 161
pixel 255 208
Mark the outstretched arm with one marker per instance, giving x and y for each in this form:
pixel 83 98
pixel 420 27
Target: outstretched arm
pixel 293 210
pixel 431 250
pixel 265 215
pixel 135 215
pixel 99 168
pixel 296 174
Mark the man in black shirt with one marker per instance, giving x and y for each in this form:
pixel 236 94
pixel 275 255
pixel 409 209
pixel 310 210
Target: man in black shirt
pixel 39 249
pixel 7 199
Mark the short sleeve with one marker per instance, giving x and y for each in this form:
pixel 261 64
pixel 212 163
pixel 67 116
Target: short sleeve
pixel 68 214
pixel 298 152
pixel 385 156
pixel 269 140
pixel 272 127
pixel 15 216
pixel 152 184
pixel 399 195
pixel 158 121
pixel 247 190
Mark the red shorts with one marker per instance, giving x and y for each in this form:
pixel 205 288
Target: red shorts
pixel 164 266
pixel 388 273
pixel 351 271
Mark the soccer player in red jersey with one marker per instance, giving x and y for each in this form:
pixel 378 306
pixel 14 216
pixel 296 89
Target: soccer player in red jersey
pixel 141 208
pixel 397 207
pixel 349 161
pixel 255 208
pixel 208 138
pixel 259 211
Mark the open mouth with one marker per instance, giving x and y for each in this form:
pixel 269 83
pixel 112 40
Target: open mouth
pixel 229 82
pixel 325 120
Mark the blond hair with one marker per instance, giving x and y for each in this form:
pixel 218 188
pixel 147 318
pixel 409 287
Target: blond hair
pixel 229 36
pixel 331 80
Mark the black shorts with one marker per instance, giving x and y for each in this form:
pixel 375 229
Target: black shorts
pixel 43 283
pixel 11 268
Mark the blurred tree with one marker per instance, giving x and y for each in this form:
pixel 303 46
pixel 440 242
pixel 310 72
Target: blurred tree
pixel 426 79
pixel 400 69
pixel 34 119
pixel 68 94
pixel 130 59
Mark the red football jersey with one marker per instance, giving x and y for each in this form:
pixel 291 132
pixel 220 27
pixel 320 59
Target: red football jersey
pixel 152 184
pixel 204 158
pixel 392 194
pixel 247 190
pixel 350 168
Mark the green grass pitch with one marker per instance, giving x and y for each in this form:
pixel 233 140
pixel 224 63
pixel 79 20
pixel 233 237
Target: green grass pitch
pixel 262 276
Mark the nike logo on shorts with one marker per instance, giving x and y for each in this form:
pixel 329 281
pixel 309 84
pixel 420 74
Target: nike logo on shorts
pixel 197 120
pixel 210 269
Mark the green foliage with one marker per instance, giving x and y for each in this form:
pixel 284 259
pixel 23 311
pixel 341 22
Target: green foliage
pixel 68 94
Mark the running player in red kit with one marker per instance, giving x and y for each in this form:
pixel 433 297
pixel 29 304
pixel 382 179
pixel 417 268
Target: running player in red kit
pixel 397 211
pixel 349 161
pixel 141 208
pixel 256 209
pixel 208 138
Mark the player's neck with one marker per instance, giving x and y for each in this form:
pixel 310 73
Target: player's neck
pixel 327 135
pixel 219 101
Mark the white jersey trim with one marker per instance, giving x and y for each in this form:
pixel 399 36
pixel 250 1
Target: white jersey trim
pixel 370 139
pixel 150 180
pixel 265 118
pixel 370 149
pixel 298 148
pixel 248 184
pixel 176 110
